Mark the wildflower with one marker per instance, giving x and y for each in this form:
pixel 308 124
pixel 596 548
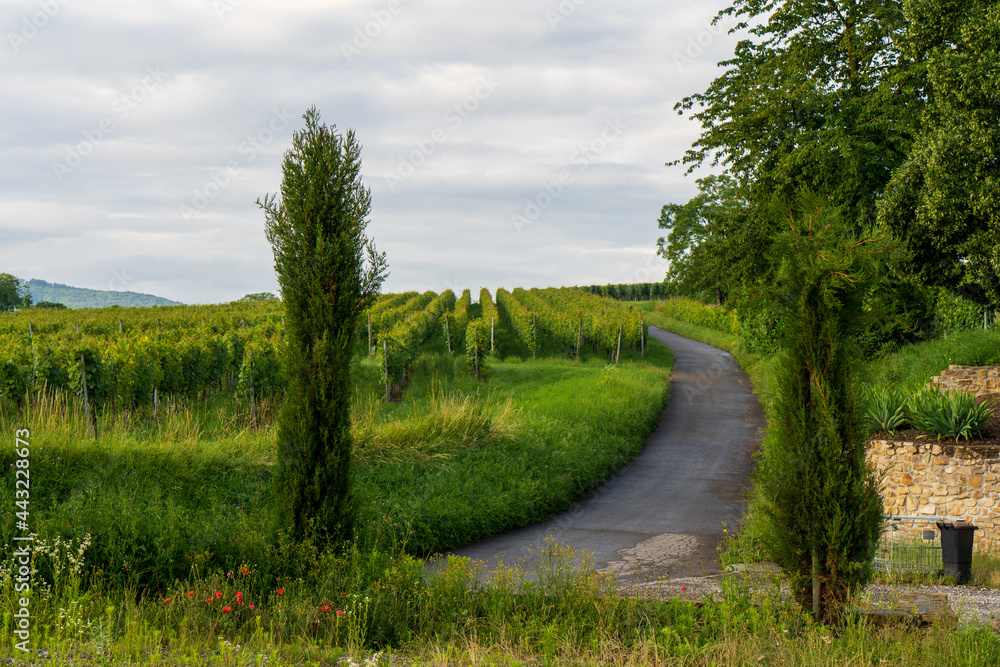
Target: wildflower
pixel 189 593
pixel 340 612
pixel 229 574
pixel 326 607
pixel 218 594
pixel 239 597
pixel 245 571
pixel 226 609
pixel 166 600
pixel 684 588
pixel 281 591
pixel 251 605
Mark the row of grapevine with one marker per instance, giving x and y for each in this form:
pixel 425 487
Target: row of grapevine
pixel 605 321
pixel 704 315
pixel 384 319
pixel 399 347
pixel 490 314
pixel 125 373
pixel 477 344
pixel 520 318
pixel 454 323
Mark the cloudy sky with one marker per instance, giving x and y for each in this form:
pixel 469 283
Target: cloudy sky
pixel 514 143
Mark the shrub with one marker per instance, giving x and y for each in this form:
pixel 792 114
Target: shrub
pixel 885 409
pixel 948 415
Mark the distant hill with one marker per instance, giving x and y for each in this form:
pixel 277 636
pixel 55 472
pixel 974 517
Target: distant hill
pixel 78 297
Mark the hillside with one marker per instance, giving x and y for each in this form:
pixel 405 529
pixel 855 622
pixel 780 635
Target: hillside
pixel 78 297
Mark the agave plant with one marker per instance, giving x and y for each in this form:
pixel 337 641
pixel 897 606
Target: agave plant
pixel 948 415
pixel 885 409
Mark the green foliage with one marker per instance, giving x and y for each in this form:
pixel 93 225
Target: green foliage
pixel 818 96
pixel 259 296
pixel 700 314
pixel 329 273
pixel 820 498
pixel 948 415
pixel 885 409
pixel 399 347
pixel 42 305
pixel 944 199
pixel 477 345
pixel 13 293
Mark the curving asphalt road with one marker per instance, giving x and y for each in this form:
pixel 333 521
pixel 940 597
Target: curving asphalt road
pixel 663 515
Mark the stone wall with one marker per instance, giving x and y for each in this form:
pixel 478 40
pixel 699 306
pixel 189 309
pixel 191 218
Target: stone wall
pixel 951 481
pixel 980 380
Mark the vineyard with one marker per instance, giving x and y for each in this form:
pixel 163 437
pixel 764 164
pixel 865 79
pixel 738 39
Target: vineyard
pixel 131 361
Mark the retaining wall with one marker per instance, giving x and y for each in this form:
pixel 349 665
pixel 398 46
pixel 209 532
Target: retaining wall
pixel 952 481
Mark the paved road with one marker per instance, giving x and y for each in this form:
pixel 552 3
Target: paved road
pixel 663 514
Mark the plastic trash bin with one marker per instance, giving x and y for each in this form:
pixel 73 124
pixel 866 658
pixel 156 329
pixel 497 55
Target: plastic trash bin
pixel 956 549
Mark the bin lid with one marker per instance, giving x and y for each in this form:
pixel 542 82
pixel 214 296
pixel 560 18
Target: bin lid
pixel 959 525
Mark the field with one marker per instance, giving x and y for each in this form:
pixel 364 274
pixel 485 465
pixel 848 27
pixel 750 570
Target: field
pixel 151 508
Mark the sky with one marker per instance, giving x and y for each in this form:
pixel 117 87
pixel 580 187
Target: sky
pixel 515 143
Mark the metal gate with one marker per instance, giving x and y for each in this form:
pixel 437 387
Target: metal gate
pixel 910 544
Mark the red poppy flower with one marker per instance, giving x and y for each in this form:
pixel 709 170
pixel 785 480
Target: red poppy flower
pixel 684 588
pixel 340 612
pixel 281 591
pixel 189 593
pixel 166 600
pixel 245 571
pixel 251 605
pixel 218 594
pixel 226 610
pixel 326 607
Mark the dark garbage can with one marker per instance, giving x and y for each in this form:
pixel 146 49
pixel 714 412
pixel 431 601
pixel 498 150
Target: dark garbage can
pixel 956 549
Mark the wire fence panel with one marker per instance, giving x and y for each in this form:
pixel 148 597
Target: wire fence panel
pixel 910 544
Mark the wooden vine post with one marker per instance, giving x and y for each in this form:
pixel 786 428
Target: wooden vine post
pixel 86 398
pixel 447 335
pixel 385 355
pixel 492 349
pixel 253 411
pixel 579 339
pixel 619 350
pixel 642 340
pixel 369 333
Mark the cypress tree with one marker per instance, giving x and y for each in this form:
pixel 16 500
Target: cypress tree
pixel 329 273
pixel 819 496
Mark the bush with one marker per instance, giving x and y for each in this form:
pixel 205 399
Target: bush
pixel 885 409
pixel 948 415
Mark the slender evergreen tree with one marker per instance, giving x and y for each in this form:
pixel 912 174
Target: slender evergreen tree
pixel 818 493
pixel 329 273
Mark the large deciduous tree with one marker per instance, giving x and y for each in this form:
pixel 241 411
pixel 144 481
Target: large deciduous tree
pixel 945 199
pixel 329 273
pixel 818 98
pixel 13 293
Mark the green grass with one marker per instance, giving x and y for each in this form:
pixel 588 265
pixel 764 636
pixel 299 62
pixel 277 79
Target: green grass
pixel 915 365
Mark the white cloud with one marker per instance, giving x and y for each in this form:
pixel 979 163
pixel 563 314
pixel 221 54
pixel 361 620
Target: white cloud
pixel 478 108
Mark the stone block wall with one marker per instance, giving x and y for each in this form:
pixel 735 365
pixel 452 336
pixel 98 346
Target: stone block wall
pixel 979 380
pixel 951 481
